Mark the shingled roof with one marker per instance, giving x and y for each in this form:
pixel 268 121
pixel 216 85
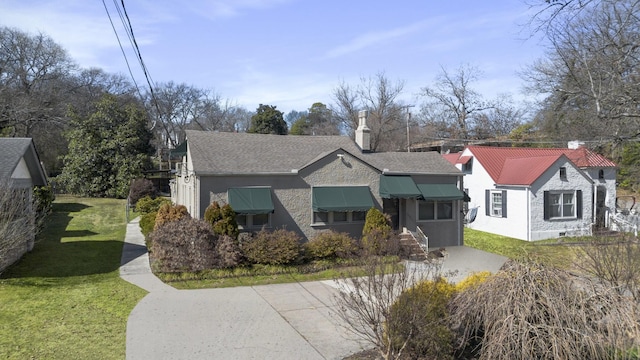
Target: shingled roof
pixel 14 149
pixel 242 153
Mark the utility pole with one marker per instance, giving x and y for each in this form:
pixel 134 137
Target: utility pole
pixel 408 119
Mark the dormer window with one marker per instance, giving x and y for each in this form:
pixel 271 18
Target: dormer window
pixel 563 173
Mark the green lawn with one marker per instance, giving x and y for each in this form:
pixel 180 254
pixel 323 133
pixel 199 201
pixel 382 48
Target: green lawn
pixel 551 252
pixel 65 299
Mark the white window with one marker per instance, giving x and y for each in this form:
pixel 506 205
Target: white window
pixel 496 203
pixel 253 221
pixel 337 217
pixel 435 210
pixel 562 205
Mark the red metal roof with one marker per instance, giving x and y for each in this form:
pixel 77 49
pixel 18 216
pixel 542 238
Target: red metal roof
pixel 522 166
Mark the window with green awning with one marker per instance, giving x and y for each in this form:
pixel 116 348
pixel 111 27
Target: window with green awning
pixel 398 187
pixel 440 192
pixel 341 198
pixel 250 200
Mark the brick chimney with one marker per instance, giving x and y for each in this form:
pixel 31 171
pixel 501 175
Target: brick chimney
pixel 363 133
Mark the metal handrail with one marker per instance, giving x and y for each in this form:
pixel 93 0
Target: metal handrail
pixel 424 239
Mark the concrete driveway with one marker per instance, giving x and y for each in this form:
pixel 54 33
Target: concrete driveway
pixel 284 321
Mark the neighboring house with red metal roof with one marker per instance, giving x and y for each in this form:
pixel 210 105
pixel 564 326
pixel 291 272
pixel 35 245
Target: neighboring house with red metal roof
pixel 309 184
pixel 537 193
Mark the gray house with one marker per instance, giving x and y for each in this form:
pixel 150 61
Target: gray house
pixel 21 171
pixel 313 183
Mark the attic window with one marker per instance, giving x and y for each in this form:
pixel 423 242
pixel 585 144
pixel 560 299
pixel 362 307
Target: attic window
pixel 563 173
pixel 601 174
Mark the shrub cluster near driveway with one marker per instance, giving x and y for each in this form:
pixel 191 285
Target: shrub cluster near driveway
pixel 65 299
pixel 189 247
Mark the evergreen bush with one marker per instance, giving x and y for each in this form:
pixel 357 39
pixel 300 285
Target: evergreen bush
pixel 418 321
pixel 331 245
pixel 376 233
pixel 148 204
pixel 222 219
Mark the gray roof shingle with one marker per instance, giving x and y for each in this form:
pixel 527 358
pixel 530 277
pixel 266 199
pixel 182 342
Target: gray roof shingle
pixel 243 153
pixel 11 151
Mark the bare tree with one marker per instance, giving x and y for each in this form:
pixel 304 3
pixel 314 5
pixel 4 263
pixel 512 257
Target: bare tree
pixel 379 96
pixel 365 302
pixel 451 104
pixel 591 74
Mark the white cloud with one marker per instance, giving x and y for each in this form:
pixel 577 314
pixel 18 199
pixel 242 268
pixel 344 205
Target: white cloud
pixel 375 38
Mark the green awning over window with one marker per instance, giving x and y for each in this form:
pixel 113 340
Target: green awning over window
pixel 179 151
pixel 250 200
pixel 440 192
pixel 341 198
pixel 398 186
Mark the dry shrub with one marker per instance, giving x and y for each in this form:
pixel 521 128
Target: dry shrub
pixel 228 252
pixel 168 213
pixel 140 188
pixel 184 245
pixel 331 245
pixel 279 247
pixel 530 311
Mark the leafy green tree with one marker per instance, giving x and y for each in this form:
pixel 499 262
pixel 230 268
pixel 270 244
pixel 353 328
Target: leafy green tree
pixel 106 149
pixel 300 127
pixel 268 120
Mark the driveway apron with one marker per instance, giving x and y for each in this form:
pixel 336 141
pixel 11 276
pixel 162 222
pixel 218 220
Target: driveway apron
pixel 282 321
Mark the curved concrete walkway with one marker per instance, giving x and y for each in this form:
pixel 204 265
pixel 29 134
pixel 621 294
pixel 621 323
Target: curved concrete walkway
pixel 283 321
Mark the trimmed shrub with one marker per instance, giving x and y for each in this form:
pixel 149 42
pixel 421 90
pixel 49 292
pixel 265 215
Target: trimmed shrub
pixel 168 213
pixel 43 197
pixel 185 244
pixel 376 233
pixel 418 321
pixel 222 219
pixel 279 247
pixel 331 245
pixel 148 204
pixel 228 252
pixel 147 223
pixel 140 188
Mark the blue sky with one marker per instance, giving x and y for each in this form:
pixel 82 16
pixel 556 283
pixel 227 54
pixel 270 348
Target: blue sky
pixel 292 53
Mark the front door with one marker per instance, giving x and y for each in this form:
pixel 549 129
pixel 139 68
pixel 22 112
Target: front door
pixel 391 207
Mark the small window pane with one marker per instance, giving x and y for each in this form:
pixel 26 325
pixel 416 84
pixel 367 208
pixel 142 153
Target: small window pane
pixel 241 219
pixel 339 216
pixel 320 217
pixel 445 210
pixel 426 210
pixel 555 208
pixel 496 204
pixel 358 216
pixel 260 219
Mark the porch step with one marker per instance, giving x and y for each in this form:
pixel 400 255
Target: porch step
pixel 412 248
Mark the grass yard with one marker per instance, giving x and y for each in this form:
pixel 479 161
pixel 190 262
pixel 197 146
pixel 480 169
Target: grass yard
pixel 65 299
pixel 550 252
